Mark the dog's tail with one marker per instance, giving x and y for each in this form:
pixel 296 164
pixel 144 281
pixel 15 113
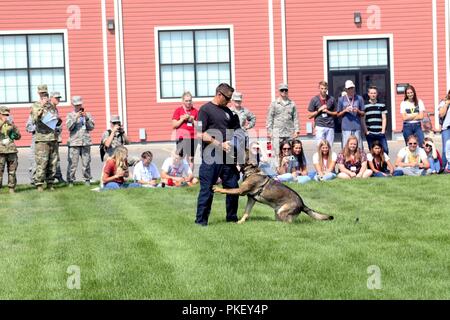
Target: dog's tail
pixel 316 215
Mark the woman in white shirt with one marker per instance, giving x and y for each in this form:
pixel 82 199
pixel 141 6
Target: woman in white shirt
pixel 324 161
pixel 412 110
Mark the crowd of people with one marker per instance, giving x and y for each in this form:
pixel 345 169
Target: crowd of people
pixel 359 119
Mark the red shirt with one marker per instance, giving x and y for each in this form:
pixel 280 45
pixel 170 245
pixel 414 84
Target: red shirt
pixel 186 130
pixel 110 170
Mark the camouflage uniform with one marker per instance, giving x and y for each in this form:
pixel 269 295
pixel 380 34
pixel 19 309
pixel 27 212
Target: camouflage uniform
pixel 282 121
pixel 79 145
pixel 8 151
pixel 245 117
pixel 118 140
pixel 58 173
pixel 31 128
pixel 46 145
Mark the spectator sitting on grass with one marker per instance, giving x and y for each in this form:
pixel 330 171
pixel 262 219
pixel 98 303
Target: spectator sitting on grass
pixel 175 171
pixel 145 172
pixel 379 162
pixel 115 171
pixel 433 156
pixel 352 161
pixel 324 161
pixel 412 160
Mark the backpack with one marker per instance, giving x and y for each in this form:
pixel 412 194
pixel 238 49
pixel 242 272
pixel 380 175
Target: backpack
pixel 103 147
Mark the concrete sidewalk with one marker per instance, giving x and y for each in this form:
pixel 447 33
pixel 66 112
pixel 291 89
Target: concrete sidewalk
pixel 161 151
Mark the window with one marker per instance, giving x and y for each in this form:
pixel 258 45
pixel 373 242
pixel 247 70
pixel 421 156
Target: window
pixel 356 54
pixel 194 60
pixel 27 61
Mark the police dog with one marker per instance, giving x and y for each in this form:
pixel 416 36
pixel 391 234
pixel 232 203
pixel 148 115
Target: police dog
pixel 259 187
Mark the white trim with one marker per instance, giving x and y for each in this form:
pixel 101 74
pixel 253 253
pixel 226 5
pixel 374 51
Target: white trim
pixel 435 65
pixel 390 36
pixel 66 61
pixel 117 43
pixel 230 27
pixel 105 64
pixel 447 43
pixel 271 50
pixel 283 40
pixel 124 115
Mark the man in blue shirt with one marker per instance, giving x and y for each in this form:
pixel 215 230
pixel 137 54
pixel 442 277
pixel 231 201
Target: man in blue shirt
pixel 351 109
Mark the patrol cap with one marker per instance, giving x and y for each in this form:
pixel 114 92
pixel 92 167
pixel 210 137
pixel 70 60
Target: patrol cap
pixel 42 88
pixel 55 94
pixel 282 86
pixel 237 96
pixel 115 118
pixel 4 110
pixel 77 100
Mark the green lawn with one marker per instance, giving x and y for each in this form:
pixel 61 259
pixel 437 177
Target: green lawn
pixel 143 244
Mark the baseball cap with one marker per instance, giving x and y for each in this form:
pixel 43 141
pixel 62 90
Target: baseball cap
pixel 282 86
pixel 42 88
pixel 55 94
pixel 237 96
pixel 77 100
pixel 349 84
pixel 4 110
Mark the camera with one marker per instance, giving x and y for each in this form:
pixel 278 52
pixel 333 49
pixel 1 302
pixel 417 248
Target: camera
pixel 291 158
pixel 81 110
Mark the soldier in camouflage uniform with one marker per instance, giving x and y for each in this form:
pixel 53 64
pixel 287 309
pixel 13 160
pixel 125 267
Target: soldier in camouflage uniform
pixel 114 137
pixel 247 119
pixel 46 144
pixel 282 119
pixel 31 128
pixel 55 97
pixel 8 151
pixel 80 124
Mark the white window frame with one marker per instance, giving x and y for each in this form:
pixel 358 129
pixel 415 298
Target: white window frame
pixel 66 60
pixel 389 36
pixel 181 28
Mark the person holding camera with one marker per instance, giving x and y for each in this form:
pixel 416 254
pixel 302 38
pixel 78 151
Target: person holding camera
pixel 8 151
pixel 114 137
pixel 79 123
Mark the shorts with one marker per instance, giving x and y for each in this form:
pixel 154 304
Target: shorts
pixel 189 146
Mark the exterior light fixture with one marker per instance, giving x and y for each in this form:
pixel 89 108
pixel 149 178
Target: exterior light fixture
pixel 357 18
pixel 110 24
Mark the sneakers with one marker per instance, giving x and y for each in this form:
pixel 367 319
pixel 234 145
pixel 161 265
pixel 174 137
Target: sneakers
pixel 11 190
pixel 40 188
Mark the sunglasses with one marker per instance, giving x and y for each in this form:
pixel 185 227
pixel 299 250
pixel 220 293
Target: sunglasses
pixel 428 146
pixel 284 90
pixel 412 143
pixel 286 148
pixel 225 96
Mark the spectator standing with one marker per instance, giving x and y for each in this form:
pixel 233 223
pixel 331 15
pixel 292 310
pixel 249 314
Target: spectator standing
pixel 79 123
pixel 247 119
pixel 412 110
pixel 351 109
pixel 375 120
pixel 8 150
pixel 444 117
pixel 282 119
pixel 322 109
pixel 114 137
pixel 184 120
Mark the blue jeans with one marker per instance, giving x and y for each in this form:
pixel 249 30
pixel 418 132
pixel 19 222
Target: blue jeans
pixel 380 137
pixel 114 185
pixel 445 135
pixel 396 173
pixel 208 175
pixel 325 177
pixel 413 128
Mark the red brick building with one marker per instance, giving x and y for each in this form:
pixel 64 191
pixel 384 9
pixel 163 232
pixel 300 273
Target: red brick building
pixel 136 57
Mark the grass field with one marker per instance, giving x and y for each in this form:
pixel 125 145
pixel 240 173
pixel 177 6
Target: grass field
pixel 143 244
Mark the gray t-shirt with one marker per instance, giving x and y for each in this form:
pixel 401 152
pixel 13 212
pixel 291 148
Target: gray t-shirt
pixel 323 119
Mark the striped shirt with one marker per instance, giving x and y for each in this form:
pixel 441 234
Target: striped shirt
pixel 374 118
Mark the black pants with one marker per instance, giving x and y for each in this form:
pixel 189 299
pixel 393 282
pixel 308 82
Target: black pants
pixel 209 173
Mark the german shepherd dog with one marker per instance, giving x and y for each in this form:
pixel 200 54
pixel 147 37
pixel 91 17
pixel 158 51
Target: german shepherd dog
pixel 259 187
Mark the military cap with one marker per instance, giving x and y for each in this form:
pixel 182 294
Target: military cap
pixel 4 110
pixel 42 88
pixel 77 100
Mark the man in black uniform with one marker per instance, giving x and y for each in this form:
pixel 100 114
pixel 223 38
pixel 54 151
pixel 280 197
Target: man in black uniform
pixel 216 128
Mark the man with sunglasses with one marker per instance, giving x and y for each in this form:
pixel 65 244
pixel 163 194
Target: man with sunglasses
pixel 216 125
pixel 282 119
